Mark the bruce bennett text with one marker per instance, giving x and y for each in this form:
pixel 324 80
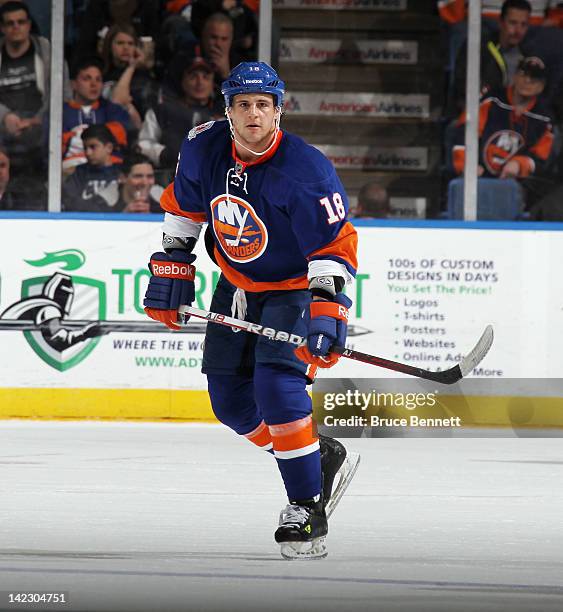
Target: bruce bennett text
pixel 376 421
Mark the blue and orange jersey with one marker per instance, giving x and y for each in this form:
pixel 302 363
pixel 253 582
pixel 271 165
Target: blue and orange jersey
pixel 268 218
pixel 506 134
pixel 77 117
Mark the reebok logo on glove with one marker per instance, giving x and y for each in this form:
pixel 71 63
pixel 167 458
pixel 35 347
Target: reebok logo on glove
pixel 173 270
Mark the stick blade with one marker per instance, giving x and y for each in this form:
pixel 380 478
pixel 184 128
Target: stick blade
pixel 478 352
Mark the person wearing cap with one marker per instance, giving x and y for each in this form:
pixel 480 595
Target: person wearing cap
pixel 515 133
pixel 188 101
pixel 500 53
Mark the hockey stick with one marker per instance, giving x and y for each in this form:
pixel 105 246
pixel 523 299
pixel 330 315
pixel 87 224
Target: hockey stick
pixel 136 327
pixel 447 377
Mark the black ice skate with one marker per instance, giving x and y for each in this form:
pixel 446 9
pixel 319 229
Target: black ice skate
pixel 335 461
pixel 302 530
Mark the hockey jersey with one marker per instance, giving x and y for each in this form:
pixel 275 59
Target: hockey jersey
pixel 505 135
pixel 76 118
pixel 269 218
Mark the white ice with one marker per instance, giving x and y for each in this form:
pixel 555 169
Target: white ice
pixel 181 517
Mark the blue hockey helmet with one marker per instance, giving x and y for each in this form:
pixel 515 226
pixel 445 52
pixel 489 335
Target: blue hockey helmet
pixel 253 77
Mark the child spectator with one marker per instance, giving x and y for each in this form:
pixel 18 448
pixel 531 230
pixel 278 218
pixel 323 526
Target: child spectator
pixel 515 135
pixel 86 108
pixel 190 102
pixel 137 186
pixel 136 190
pixel 81 191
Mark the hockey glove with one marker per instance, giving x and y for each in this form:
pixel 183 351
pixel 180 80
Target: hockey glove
pixel 170 286
pixel 328 326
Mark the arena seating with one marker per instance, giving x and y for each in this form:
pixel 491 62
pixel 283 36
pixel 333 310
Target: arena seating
pixel 367 87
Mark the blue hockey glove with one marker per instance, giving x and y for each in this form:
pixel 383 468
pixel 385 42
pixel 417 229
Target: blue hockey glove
pixel 328 325
pixel 170 286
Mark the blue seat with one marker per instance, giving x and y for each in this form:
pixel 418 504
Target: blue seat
pixel 497 199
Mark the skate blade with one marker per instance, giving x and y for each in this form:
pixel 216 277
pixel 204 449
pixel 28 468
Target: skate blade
pixel 315 549
pixel 345 474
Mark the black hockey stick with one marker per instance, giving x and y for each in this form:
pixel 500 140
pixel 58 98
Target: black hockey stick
pixel 446 377
pixel 136 327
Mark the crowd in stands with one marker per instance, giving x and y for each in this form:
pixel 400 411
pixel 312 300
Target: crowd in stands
pixel 138 75
pixel 521 110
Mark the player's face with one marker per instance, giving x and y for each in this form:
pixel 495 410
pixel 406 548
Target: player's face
pixel 253 117
pixel 513 27
pixel 97 153
pixel 122 48
pixel 198 85
pixel 88 85
pixel 16 26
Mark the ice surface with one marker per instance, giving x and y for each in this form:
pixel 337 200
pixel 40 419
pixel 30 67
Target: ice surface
pixel 181 517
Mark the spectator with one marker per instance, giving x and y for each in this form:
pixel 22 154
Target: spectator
pixel 24 86
pixel 81 191
pixel 126 78
pixel 243 19
pixel 515 135
pixel 175 34
pixel 86 108
pixel 216 45
pixel 543 12
pixel 136 186
pixel 165 126
pixel 100 15
pixel 19 194
pixel 373 202
pixel 500 53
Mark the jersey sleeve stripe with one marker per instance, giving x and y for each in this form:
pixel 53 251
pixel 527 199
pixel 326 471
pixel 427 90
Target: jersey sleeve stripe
pixel 169 203
pixel 342 249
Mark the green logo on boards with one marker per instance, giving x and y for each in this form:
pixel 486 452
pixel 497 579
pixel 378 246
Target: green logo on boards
pixel 43 313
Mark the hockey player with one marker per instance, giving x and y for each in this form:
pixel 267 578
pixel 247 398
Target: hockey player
pixel 277 228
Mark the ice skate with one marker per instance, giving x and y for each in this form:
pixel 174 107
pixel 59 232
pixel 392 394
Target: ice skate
pixel 302 531
pixel 335 462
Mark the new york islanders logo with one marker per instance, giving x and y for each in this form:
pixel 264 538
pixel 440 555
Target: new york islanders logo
pixel 239 230
pixel 501 147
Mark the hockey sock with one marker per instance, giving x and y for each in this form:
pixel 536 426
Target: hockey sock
pixel 261 437
pixel 282 398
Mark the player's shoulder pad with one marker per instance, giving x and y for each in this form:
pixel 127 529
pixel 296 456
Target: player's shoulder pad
pixel 304 163
pixel 199 144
